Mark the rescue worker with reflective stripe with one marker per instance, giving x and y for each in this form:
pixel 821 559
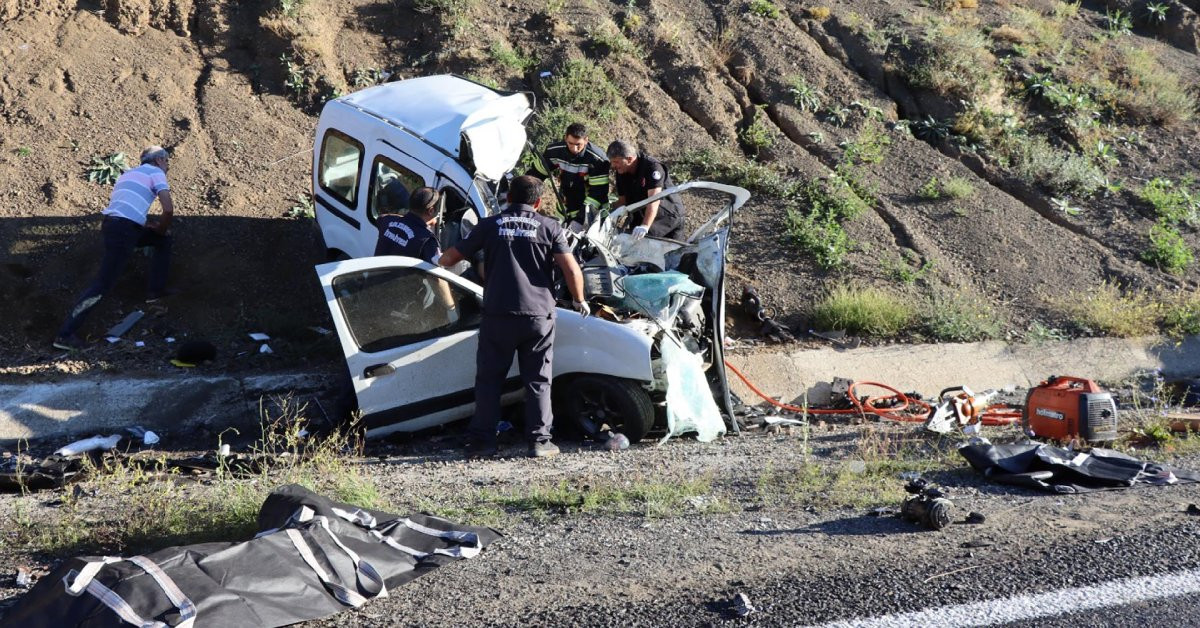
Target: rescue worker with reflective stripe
pixel 582 173
pixel 411 234
pixel 639 176
pixel 520 250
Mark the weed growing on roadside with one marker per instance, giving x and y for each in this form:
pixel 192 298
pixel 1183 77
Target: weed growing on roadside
pixel 931 190
pixel 851 177
pixel 612 40
pixel 901 270
pixel 955 60
pixel 297 77
pixel 958 188
pixel 1156 12
pixel 1172 202
pixel 1148 92
pixel 651 499
pixel 1168 250
pixel 1118 22
pixel 105 170
pixel 1106 310
pixel 1182 315
pixel 367 77
pixel 962 318
pixel 726 166
pixel 866 311
pixel 757 135
pixel 23 151
pixel 507 56
pixel 764 8
pixel 818 233
pixel 869 147
pixel 302 208
pixel 818 13
pixel 1039 333
pixel 804 96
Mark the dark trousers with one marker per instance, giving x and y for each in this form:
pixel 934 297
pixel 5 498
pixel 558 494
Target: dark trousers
pixel 668 223
pixel 121 238
pixel 532 338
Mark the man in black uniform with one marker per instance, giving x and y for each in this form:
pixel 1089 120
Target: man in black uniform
pixel 582 173
pixel 520 248
pixel 410 234
pixel 638 177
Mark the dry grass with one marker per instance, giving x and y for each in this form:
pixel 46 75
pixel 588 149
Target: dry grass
pixel 1150 92
pixel 858 310
pixel 1106 310
pixel 956 61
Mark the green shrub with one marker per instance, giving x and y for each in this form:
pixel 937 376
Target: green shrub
pixel 105 170
pixel 728 166
pixel 958 188
pixel 580 91
pixel 869 147
pixel 1173 202
pixel 903 271
pixel 1149 91
pixel 818 233
pixel 1062 172
pixel 804 96
pixel 962 318
pixel 1168 250
pixel 764 8
pixel 509 57
pixel 955 60
pixel 869 311
pixel 757 135
pixel 608 36
pixel 931 190
pixel 1182 315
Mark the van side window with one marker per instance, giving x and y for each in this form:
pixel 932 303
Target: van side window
pixel 385 173
pixel 389 307
pixel 341 159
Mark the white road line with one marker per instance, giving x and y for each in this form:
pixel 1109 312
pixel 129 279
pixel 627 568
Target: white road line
pixel 1033 606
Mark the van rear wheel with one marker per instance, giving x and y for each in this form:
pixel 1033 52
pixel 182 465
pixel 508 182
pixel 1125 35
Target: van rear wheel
pixel 589 403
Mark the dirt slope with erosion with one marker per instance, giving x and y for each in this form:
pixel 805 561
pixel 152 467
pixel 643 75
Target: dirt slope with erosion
pixel 794 91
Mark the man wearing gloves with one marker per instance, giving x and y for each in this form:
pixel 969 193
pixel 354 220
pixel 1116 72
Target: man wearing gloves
pixel 520 249
pixel 638 177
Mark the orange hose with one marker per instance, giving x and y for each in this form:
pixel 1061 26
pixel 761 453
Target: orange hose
pixel 993 415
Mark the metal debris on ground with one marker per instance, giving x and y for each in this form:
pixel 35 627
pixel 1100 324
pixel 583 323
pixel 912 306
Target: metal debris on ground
pixel 741 605
pixel 839 338
pixel 926 505
pixel 770 328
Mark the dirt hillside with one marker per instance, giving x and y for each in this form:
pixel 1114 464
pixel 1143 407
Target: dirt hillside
pixel 1006 154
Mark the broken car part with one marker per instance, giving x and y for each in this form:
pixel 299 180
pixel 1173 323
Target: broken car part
pixel 312 558
pixel 1064 408
pixel 926 505
pixel 95 443
pixel 769 328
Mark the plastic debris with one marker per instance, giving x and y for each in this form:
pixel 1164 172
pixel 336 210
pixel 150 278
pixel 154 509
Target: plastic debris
pixel 259 337
pixel 616 442
pixel 139 344
pixel 741 605
pixel 170 340
pixel 94 443
pixel 24 578
pixel 224 450
pixel 126 323
pixel 265 349
pixel 148 437
pixel 113 339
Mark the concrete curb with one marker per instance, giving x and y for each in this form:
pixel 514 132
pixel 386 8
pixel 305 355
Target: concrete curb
pixel 104 405
pixel 929 369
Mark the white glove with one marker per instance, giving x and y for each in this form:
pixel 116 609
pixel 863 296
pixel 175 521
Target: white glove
pixel 640 232
pixel 582 308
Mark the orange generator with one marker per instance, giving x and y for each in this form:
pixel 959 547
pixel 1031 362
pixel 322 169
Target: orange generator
pixel 1063 408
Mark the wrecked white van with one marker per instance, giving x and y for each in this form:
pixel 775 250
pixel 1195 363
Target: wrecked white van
pixel 651 356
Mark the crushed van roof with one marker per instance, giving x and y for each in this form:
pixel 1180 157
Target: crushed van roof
pixel 442 108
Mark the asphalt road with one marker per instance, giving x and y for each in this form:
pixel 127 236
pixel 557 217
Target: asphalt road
pixel 923 592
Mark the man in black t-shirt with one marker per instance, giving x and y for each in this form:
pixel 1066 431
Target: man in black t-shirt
pixel 520 249
pixel 411 234
pixel 638 177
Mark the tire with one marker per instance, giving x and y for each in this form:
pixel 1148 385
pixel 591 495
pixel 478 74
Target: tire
pixel 588 402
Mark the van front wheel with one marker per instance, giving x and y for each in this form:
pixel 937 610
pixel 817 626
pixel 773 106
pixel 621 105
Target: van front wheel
pixel 590 404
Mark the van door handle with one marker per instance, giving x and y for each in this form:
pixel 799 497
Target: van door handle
pixel 377 370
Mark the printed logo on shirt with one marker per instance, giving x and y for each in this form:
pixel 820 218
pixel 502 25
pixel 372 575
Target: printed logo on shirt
pixel 518 227
pixel 656 175
pixel 395 237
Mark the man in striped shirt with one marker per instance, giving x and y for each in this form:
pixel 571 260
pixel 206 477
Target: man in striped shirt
pixel 582 172
pixel 125 227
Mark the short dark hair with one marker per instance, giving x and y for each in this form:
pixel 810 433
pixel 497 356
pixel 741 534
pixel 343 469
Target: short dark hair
pixel 393 197
pixel 576 129
pixel 524 190
pixel 424 200
pixel 621 148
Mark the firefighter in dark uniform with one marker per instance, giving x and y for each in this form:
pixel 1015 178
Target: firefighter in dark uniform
pixel 520 249
pixel 639 176
pixel 582 173
pixel 411 234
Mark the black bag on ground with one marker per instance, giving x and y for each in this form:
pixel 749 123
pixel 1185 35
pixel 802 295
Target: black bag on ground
pixel 313 558
pixel 1056 470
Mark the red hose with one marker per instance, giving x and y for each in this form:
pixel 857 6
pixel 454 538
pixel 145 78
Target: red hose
pixel 993 415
